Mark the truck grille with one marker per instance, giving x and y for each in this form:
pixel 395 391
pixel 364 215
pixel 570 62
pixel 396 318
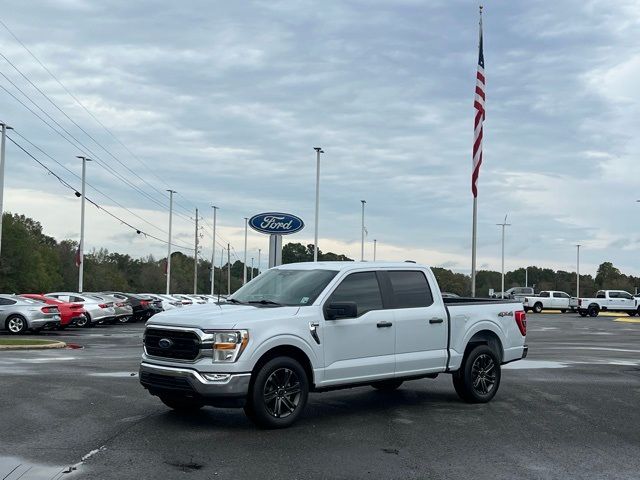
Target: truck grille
pixel 180 345
pixel 154 380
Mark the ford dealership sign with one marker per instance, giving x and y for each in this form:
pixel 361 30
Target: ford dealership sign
pixel 276 223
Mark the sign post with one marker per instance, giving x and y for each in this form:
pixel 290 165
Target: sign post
pixel 276 225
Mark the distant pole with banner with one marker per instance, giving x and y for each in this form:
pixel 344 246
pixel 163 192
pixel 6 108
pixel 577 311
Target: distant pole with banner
pixel 478 105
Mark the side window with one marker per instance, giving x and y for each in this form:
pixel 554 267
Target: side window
pixel 614 295
pixel 565 295
pixel 600 294
pixel 361 288
pixel 410 289
pixel 557 295
pixel 6 301
pixel 626 295
pixel 544 294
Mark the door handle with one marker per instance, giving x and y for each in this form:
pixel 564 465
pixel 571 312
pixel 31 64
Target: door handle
pixel 384 324
pixel 436 320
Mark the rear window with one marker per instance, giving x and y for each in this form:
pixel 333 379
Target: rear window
pixel 410 289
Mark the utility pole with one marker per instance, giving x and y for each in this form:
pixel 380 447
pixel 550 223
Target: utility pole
pixel 213 250
pixel 244 263
pixel 315 238
pixel 81 247
pixel 171 192
pixel 503 225
pixel 362 242
pixel 578 271
pixel 251 268
pixel 526 276
pixel 2 149
pixel 375 243
pixel 228 269
pixel 259 253
pixel 195 259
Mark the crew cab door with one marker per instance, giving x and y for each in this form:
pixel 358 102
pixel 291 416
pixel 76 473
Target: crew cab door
pixel 362 348
pixel 421 323
pixel 626 301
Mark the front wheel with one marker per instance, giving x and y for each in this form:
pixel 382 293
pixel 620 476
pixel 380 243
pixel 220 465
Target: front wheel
pixel 478 378
pixel 537 308
pixel 181 404
pixel 387 385
pixel 562 310
pixel 278 394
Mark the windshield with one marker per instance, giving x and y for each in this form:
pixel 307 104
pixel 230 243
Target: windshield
pixel 285 287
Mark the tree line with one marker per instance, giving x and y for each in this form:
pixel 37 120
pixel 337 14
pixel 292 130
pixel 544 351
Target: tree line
pixel 31 261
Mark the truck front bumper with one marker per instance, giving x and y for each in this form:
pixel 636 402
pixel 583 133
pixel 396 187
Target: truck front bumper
pixel 217 389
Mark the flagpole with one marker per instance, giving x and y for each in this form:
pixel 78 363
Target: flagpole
pixel 473 247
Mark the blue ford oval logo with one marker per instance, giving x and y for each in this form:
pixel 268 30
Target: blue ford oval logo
pixel 165 343
pixel 276 223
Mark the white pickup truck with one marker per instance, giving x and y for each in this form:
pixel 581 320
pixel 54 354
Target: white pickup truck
pixel 547 300
pixel 308 327
pixel 609 301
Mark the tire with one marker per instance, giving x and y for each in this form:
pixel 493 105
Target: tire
pixel 563 310
pixel 593 311
pixel 537 308
pixel 527 309
pixel 181 404
pixel 387 385
pixel 632 314
pixel 16 325
pixel 86 323
pixel 478 379
pixel 123 320
pixel 278 394
pixel 582 313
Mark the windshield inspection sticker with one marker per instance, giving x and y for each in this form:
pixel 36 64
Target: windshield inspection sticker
pixel 304 300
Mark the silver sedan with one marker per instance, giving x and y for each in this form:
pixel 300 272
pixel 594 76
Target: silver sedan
pixel 98 311
pixel 19 314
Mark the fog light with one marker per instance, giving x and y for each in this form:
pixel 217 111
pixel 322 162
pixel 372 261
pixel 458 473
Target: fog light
pixel 217 377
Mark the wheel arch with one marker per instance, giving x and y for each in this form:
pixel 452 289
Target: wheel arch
pixel 285 351
pixel 485 337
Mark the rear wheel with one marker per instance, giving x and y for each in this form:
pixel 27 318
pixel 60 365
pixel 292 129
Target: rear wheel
pixel 16 325
pixel 632 314
pixel 278 394
pixel 181 404
pixel 387 385
pixel 537 307
pixel 478 378
pixel 126 319
pixel 593 311
pixel 84 321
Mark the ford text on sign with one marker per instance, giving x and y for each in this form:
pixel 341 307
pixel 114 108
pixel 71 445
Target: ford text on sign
pixel 276 223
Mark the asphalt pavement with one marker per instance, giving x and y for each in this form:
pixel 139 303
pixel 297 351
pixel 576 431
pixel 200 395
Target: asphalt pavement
pixel 569 411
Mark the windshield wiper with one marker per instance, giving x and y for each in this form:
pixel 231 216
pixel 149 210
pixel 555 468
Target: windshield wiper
pixel 265 302
pixel 233 300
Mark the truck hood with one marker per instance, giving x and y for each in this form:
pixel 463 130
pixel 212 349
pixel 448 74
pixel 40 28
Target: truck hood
pixel 223 317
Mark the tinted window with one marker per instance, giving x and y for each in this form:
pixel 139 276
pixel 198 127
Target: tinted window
pixel 544 294
pixel 614 295
pixel 6 301
pixel 625 295
pixel 600 294
pixel 411 289
pixel 361 288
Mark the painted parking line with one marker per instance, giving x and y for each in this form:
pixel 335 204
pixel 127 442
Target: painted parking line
pixel 627 320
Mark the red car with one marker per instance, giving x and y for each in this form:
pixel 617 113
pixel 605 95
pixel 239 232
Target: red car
pixel 70 313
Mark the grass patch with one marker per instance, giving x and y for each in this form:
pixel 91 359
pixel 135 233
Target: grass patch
pixel 24 341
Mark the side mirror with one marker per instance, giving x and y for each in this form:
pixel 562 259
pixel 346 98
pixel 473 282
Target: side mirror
pixel 336 311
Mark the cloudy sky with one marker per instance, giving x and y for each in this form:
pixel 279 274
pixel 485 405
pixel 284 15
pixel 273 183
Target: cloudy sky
pixel 224 102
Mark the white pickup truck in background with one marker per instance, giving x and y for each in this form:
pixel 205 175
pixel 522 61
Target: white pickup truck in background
pixel 547 300
pixel 609 301
pixel 320 326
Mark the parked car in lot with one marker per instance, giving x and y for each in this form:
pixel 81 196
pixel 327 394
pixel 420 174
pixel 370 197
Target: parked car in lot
pixel 143 307
pixel 19 314
pixel 165 303
pixel 516 293
pixel 70 313
pixel 96 311
pixel 122 307
pixel 609 301
pixel 547 300
pixel 306 327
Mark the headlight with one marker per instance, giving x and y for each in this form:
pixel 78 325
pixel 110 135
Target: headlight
pixel 228 345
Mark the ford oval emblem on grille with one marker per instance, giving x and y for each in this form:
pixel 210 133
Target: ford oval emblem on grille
pixel 165 343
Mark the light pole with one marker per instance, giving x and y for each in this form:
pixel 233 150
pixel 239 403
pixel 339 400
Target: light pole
pixel 171 192
pixel 503 225
pixel 213 250
pixel 251 268
pixel 578 270
pixel 362 242
pixel 4 128
pixel 315 237
pixel 244 275
pixel 375 243
pixel 82 204
pixel 195 259
pixel 228 269
pixel 259 253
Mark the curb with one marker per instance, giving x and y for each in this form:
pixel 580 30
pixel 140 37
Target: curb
pixel 45 346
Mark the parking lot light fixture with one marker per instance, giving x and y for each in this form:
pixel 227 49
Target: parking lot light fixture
pixel 171 192
pixel 4 127
pixel 362 232
pixel 503 225
pixel 244 276
pixel 578 271
pixel 315 235
pixel 213 251
pixel 80 257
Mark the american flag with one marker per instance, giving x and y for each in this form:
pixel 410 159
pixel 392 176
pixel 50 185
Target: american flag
pixel 78 261
pixel 478 104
